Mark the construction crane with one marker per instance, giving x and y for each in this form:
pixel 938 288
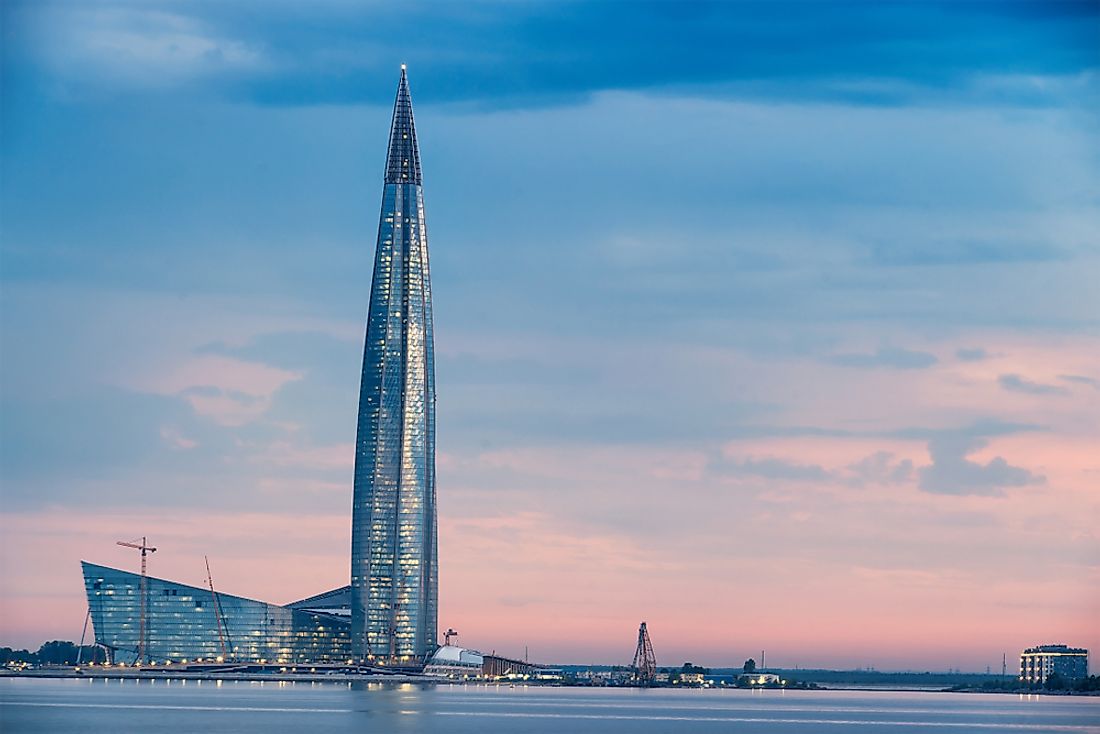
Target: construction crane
pixel 145 549
pixel 393 629
pixel 645 662
pixel 222 631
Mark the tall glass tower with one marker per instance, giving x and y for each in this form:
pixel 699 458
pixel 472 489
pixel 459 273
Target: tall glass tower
pixel 394 567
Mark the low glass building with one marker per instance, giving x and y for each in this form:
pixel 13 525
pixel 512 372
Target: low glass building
pixel 189 623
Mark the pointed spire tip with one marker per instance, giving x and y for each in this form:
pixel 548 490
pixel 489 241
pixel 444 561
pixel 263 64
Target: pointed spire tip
pixel 403 157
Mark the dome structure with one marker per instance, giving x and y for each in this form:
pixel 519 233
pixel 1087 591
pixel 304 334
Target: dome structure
pixel 453 661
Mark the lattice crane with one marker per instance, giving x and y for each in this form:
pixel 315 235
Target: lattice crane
pixel 145 549
pixel 223 628
pixel 645 662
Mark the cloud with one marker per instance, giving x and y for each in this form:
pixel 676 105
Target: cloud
pixel 1081 380
pixel 322 403
pixel 467 368
pixel 952 473
pixel 769 468
pixel 1015 383
pixel 100 433
pixel 983 428
pixel 197 424
pixel 974 354
pixel 892 357
pixel 228 407
pixel 128 46
pixel 874 54
pixel 923 252
pixel 880 468
pixel 292 350
pixel 210 391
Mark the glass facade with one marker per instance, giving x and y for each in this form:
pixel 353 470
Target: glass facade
pixel 394 569
pixel 188 623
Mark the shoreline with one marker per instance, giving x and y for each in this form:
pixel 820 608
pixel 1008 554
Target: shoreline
pixel 227 676
pixel 407 679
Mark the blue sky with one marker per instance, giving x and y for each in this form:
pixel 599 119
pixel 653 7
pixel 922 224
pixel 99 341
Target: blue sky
pixel 824 269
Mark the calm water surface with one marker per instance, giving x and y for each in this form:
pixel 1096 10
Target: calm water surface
pixel 126 707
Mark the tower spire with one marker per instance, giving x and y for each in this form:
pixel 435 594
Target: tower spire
pixel 394 567
pixel 403 157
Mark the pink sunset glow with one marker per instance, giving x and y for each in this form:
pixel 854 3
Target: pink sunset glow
pixel 563 548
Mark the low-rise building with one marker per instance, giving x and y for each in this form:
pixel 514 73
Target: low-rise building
pixel 148 620
pixel 495 667
pixel 758 679
pixel 452 661
pixel 1037 664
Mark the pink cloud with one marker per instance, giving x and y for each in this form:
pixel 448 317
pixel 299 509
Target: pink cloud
pixel 230 391
pixel 285 453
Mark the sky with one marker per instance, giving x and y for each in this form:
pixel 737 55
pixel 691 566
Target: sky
pixel 775 325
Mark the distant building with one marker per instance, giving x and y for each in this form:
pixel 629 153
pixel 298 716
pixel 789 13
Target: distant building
pixel 1039 663
pixel 459 662
pixel 495 666
pixel 758 679
pixel 455 662
pixel 598 678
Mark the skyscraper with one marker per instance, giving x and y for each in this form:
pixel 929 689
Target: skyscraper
pixel 394 568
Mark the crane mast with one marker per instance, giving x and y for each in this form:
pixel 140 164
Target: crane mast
pixel 145 549
pixel 222 633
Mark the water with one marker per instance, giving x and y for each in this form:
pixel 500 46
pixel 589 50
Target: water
pixel 133 707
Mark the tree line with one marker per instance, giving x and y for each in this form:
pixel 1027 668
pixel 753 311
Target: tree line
pixel 1054 682
pixel 54 652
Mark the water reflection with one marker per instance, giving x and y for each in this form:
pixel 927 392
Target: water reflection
pixel 253 707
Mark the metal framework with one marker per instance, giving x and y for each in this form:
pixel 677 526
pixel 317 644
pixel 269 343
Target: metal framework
pixel 223 631
pixel 143 638
pixel 645 662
